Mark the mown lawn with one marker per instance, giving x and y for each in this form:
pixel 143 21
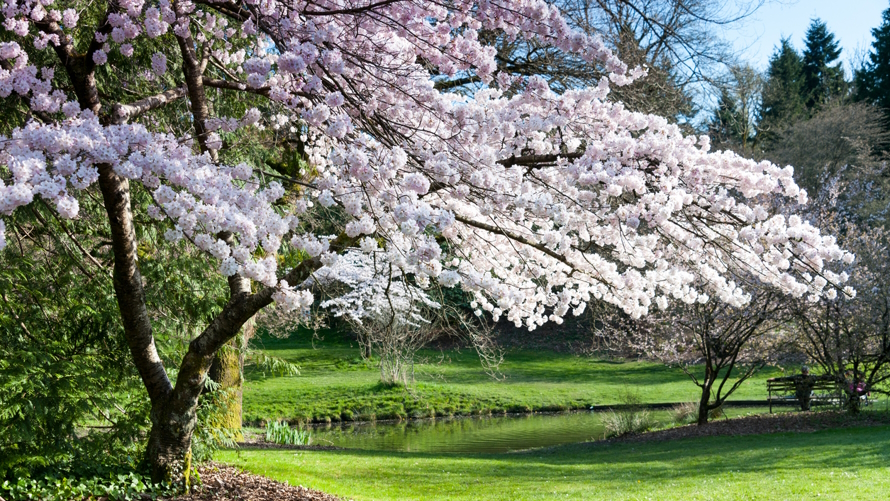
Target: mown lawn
pixel 843 464
pixel 336 384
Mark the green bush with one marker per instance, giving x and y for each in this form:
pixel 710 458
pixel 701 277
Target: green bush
pixel 116 487
pixel 212 431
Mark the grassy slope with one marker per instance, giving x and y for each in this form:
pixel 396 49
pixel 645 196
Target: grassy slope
pixel 336 384
pixel 836 464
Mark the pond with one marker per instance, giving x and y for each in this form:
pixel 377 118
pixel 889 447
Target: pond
pixel 481 434
pixel 468 434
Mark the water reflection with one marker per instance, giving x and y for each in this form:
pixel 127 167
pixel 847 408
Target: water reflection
pixel 470 434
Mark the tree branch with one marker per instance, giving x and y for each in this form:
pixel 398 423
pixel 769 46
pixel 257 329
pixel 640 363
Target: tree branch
pixel 121 113
pixel 534 160
pixel 354 10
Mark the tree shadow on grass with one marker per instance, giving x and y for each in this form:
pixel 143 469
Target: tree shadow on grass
pixel 846 449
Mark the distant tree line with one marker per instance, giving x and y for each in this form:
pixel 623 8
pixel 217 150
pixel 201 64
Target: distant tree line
pixel 803 111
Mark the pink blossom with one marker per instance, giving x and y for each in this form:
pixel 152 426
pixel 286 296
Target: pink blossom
pixel 154 25
pixel 334 99
pixel 158 63
pixel 99 57
pixel 437 186
pixel 70 18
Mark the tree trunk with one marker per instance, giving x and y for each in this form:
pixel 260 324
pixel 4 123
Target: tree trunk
pixel 169 443
pixel 853 402
pixel 703 404
pixel 173 414
pixel 227 370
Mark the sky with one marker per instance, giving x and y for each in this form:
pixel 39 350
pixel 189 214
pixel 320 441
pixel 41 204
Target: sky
pixel 851 22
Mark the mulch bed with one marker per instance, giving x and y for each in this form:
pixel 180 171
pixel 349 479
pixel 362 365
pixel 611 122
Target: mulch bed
pixel 763 423
pixel 227 483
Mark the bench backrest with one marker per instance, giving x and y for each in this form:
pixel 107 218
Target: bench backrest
pixel 789 384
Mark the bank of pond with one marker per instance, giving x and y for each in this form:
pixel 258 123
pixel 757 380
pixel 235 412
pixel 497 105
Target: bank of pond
pixel 484 434
pixel 335 384
pixel 846 463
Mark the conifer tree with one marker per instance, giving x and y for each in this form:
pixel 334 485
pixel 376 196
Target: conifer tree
pixel 725 127
pixel 782 101
pixel 872 81
pixel 821 81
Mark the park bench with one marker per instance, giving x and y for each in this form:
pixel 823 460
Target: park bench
pixel 825 390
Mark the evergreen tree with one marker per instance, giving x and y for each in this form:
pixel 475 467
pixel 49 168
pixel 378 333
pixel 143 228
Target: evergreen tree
pixel 782 100
pixel 873 79
pixel 821 81
pixel 733 124
pixel 726 126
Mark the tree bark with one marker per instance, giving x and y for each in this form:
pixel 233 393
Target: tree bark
pixel 173 418
pixel 854 403
pixel 128 284
pixel 227 370
pixel 703 403
pixel 169 442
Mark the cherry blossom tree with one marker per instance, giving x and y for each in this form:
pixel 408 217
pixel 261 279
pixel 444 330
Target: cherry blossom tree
pixel 534 202
pixel 847 338
pixel 730 343
pixel 718 345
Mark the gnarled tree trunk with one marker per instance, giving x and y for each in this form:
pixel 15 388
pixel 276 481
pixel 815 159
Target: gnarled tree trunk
pixel 227 370
pixel 173 409
pixel 703 408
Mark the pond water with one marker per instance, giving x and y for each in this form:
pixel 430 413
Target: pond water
pixel 470 434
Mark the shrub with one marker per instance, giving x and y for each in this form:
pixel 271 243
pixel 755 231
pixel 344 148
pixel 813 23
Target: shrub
pixel 625 422
pixel 630 418
pixel 116 487
pixel 686 413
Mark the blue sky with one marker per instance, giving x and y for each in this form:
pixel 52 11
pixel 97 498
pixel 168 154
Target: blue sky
pixel 851 22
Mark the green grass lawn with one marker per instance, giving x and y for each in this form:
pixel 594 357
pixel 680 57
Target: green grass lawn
pixel 336 384
pixel 843 464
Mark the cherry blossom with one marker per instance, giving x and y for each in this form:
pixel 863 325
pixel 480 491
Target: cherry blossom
pixel 363 288
pixel 546 200
pixel 159 63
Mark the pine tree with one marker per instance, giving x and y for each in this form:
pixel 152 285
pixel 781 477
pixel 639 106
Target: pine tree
pixel 726 125
pixel 873 79
pixel 782 101
pixel 733 124
pixel 821 81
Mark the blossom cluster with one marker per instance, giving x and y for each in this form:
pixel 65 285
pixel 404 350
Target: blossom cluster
pixel 536 202
pixel 363 288
pixel 200 198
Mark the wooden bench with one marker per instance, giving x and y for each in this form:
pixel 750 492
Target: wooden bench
pixel 825 390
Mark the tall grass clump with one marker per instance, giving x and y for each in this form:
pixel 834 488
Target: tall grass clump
pixel 630 418
pixel 281 433
pixel 687 413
